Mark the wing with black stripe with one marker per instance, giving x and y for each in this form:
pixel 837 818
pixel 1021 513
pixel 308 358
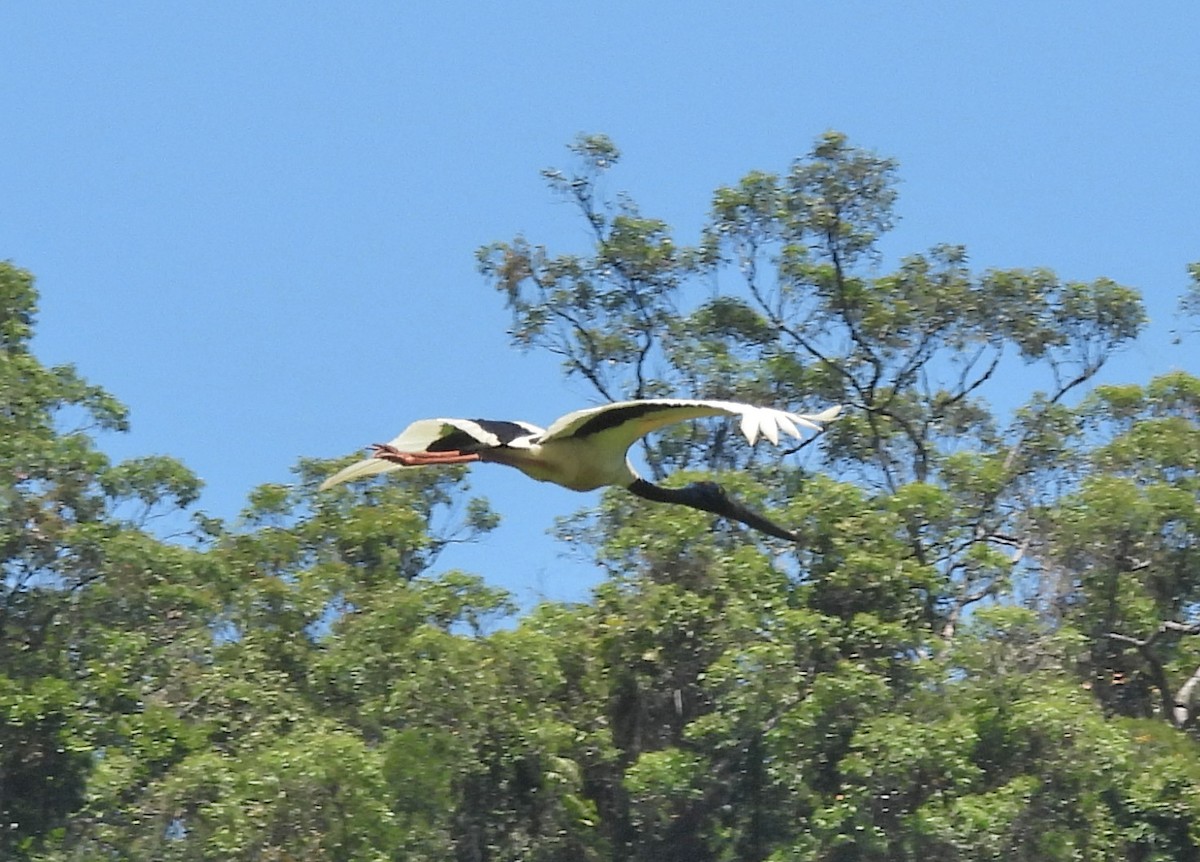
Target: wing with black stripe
pixel 626 421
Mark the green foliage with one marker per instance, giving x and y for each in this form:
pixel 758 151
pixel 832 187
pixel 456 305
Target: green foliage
pixel 43 758
pixel 91 607
pixel 983 647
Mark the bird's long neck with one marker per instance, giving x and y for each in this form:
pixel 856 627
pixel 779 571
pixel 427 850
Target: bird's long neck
pixel 709 497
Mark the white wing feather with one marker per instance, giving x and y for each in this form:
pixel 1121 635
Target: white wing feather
pixel 359 470
pixel 423 433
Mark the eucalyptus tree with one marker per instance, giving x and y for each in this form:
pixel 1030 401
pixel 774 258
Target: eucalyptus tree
pixel 782 301
pixel 92 604
pixel 757 692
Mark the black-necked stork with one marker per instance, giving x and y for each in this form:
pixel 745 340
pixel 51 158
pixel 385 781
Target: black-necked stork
pixel 586 449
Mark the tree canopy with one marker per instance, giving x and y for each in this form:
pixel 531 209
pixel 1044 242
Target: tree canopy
pixel 986 645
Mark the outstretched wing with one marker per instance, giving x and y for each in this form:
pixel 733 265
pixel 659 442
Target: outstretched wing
pixel 626 421
pixel 463 435
pixel 438 435
pixel 359 470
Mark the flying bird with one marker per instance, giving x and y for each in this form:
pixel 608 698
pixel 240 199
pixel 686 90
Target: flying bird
pixel 586 449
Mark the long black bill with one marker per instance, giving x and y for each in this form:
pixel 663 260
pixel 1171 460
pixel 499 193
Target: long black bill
pixel 710 497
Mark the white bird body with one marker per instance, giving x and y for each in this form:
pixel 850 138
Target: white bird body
pixel 584 450
pixel 563 462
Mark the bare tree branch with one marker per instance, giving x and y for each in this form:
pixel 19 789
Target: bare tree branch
pixel 1176 706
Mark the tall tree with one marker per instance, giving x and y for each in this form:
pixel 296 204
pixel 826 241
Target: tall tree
pixel 1123 550
pixel 800 317
pixel 84 585
pixel 951 489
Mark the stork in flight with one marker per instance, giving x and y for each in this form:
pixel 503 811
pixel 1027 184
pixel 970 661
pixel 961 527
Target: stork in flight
pixel 586 449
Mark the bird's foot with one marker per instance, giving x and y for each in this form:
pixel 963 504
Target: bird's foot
pixel 388 452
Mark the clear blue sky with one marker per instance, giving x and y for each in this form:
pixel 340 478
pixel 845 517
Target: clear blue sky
pixel 254 223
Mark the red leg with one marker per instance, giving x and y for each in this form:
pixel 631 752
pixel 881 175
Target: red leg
pixel 422 459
